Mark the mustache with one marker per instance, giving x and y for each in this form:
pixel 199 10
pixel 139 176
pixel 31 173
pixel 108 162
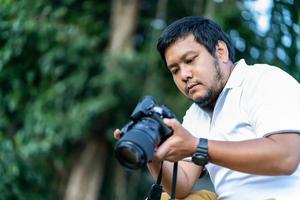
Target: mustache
pixel 192 83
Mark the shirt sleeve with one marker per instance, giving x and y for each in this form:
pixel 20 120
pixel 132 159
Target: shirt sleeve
pixel 274 103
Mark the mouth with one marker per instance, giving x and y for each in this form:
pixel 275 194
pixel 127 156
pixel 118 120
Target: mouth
pixel 190 86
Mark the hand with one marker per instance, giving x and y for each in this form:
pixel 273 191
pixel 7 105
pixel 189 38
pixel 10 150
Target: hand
pixel 117 134
pixel 180 145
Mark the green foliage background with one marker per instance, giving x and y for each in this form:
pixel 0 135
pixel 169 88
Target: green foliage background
pixel 58 83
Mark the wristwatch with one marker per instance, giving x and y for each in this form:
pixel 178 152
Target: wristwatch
pixel 200 157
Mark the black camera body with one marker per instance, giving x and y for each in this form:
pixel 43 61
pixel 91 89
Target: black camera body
pixel 143 133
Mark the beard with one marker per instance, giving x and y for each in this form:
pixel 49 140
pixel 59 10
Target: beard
pixel 206 100
pixel 212 93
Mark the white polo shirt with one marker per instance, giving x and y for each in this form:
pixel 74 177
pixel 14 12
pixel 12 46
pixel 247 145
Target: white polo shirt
pixel 257 101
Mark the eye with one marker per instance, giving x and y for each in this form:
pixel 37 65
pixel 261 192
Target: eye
pixel 190 60
pixel 174 70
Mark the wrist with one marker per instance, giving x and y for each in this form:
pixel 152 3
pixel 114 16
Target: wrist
pixel 154 164
pixel 200 156
pixel 194 146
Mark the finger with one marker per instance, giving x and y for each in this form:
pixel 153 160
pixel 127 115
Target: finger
pixel 172 123
pixel 162 151
pixel 117 134
pixel 155 158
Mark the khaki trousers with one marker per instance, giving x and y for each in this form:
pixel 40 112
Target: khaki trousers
pixel 198 195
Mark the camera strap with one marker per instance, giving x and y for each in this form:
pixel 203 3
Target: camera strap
pixel 156 189
pixel 174 180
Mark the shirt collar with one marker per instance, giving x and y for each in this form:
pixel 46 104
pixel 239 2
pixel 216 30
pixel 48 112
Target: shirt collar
pixel 237 75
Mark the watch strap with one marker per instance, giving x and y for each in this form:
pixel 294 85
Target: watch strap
pixel 202 147
pixel 200 157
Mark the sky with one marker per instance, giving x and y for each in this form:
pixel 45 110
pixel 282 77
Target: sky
pixel 261 10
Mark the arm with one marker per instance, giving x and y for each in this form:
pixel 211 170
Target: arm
pixel 180 145
pixel 278 154
pixel 187 175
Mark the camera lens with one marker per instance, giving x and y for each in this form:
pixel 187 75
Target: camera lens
pixel 130 155
pixel 136 147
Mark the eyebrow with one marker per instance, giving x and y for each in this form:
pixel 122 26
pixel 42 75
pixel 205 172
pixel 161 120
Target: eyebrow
pixel 181 58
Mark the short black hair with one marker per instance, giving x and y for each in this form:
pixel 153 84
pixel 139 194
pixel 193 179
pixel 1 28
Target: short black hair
pixel 205 31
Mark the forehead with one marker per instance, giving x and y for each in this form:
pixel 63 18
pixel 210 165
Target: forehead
pixel 181 46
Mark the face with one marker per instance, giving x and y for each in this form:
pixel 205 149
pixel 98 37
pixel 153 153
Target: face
pixel 196 73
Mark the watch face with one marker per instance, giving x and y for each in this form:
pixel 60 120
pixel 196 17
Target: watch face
pixel 199 159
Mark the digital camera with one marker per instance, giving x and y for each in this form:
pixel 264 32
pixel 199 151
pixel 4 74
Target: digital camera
pixel 141 135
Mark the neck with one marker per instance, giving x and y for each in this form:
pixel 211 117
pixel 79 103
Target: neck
pixel 224 76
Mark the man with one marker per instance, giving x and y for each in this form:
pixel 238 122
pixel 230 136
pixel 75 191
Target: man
pixel 244 123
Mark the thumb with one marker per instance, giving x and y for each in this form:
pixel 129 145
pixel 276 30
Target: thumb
pixel 117 134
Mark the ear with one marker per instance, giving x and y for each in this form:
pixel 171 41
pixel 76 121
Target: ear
pixel 222 52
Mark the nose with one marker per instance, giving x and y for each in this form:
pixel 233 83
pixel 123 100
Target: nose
pixel 186 73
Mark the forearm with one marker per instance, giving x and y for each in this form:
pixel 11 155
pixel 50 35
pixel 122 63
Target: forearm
pixel 184 182
pixel 276 155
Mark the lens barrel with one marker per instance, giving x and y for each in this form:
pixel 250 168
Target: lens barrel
pixel 136 147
